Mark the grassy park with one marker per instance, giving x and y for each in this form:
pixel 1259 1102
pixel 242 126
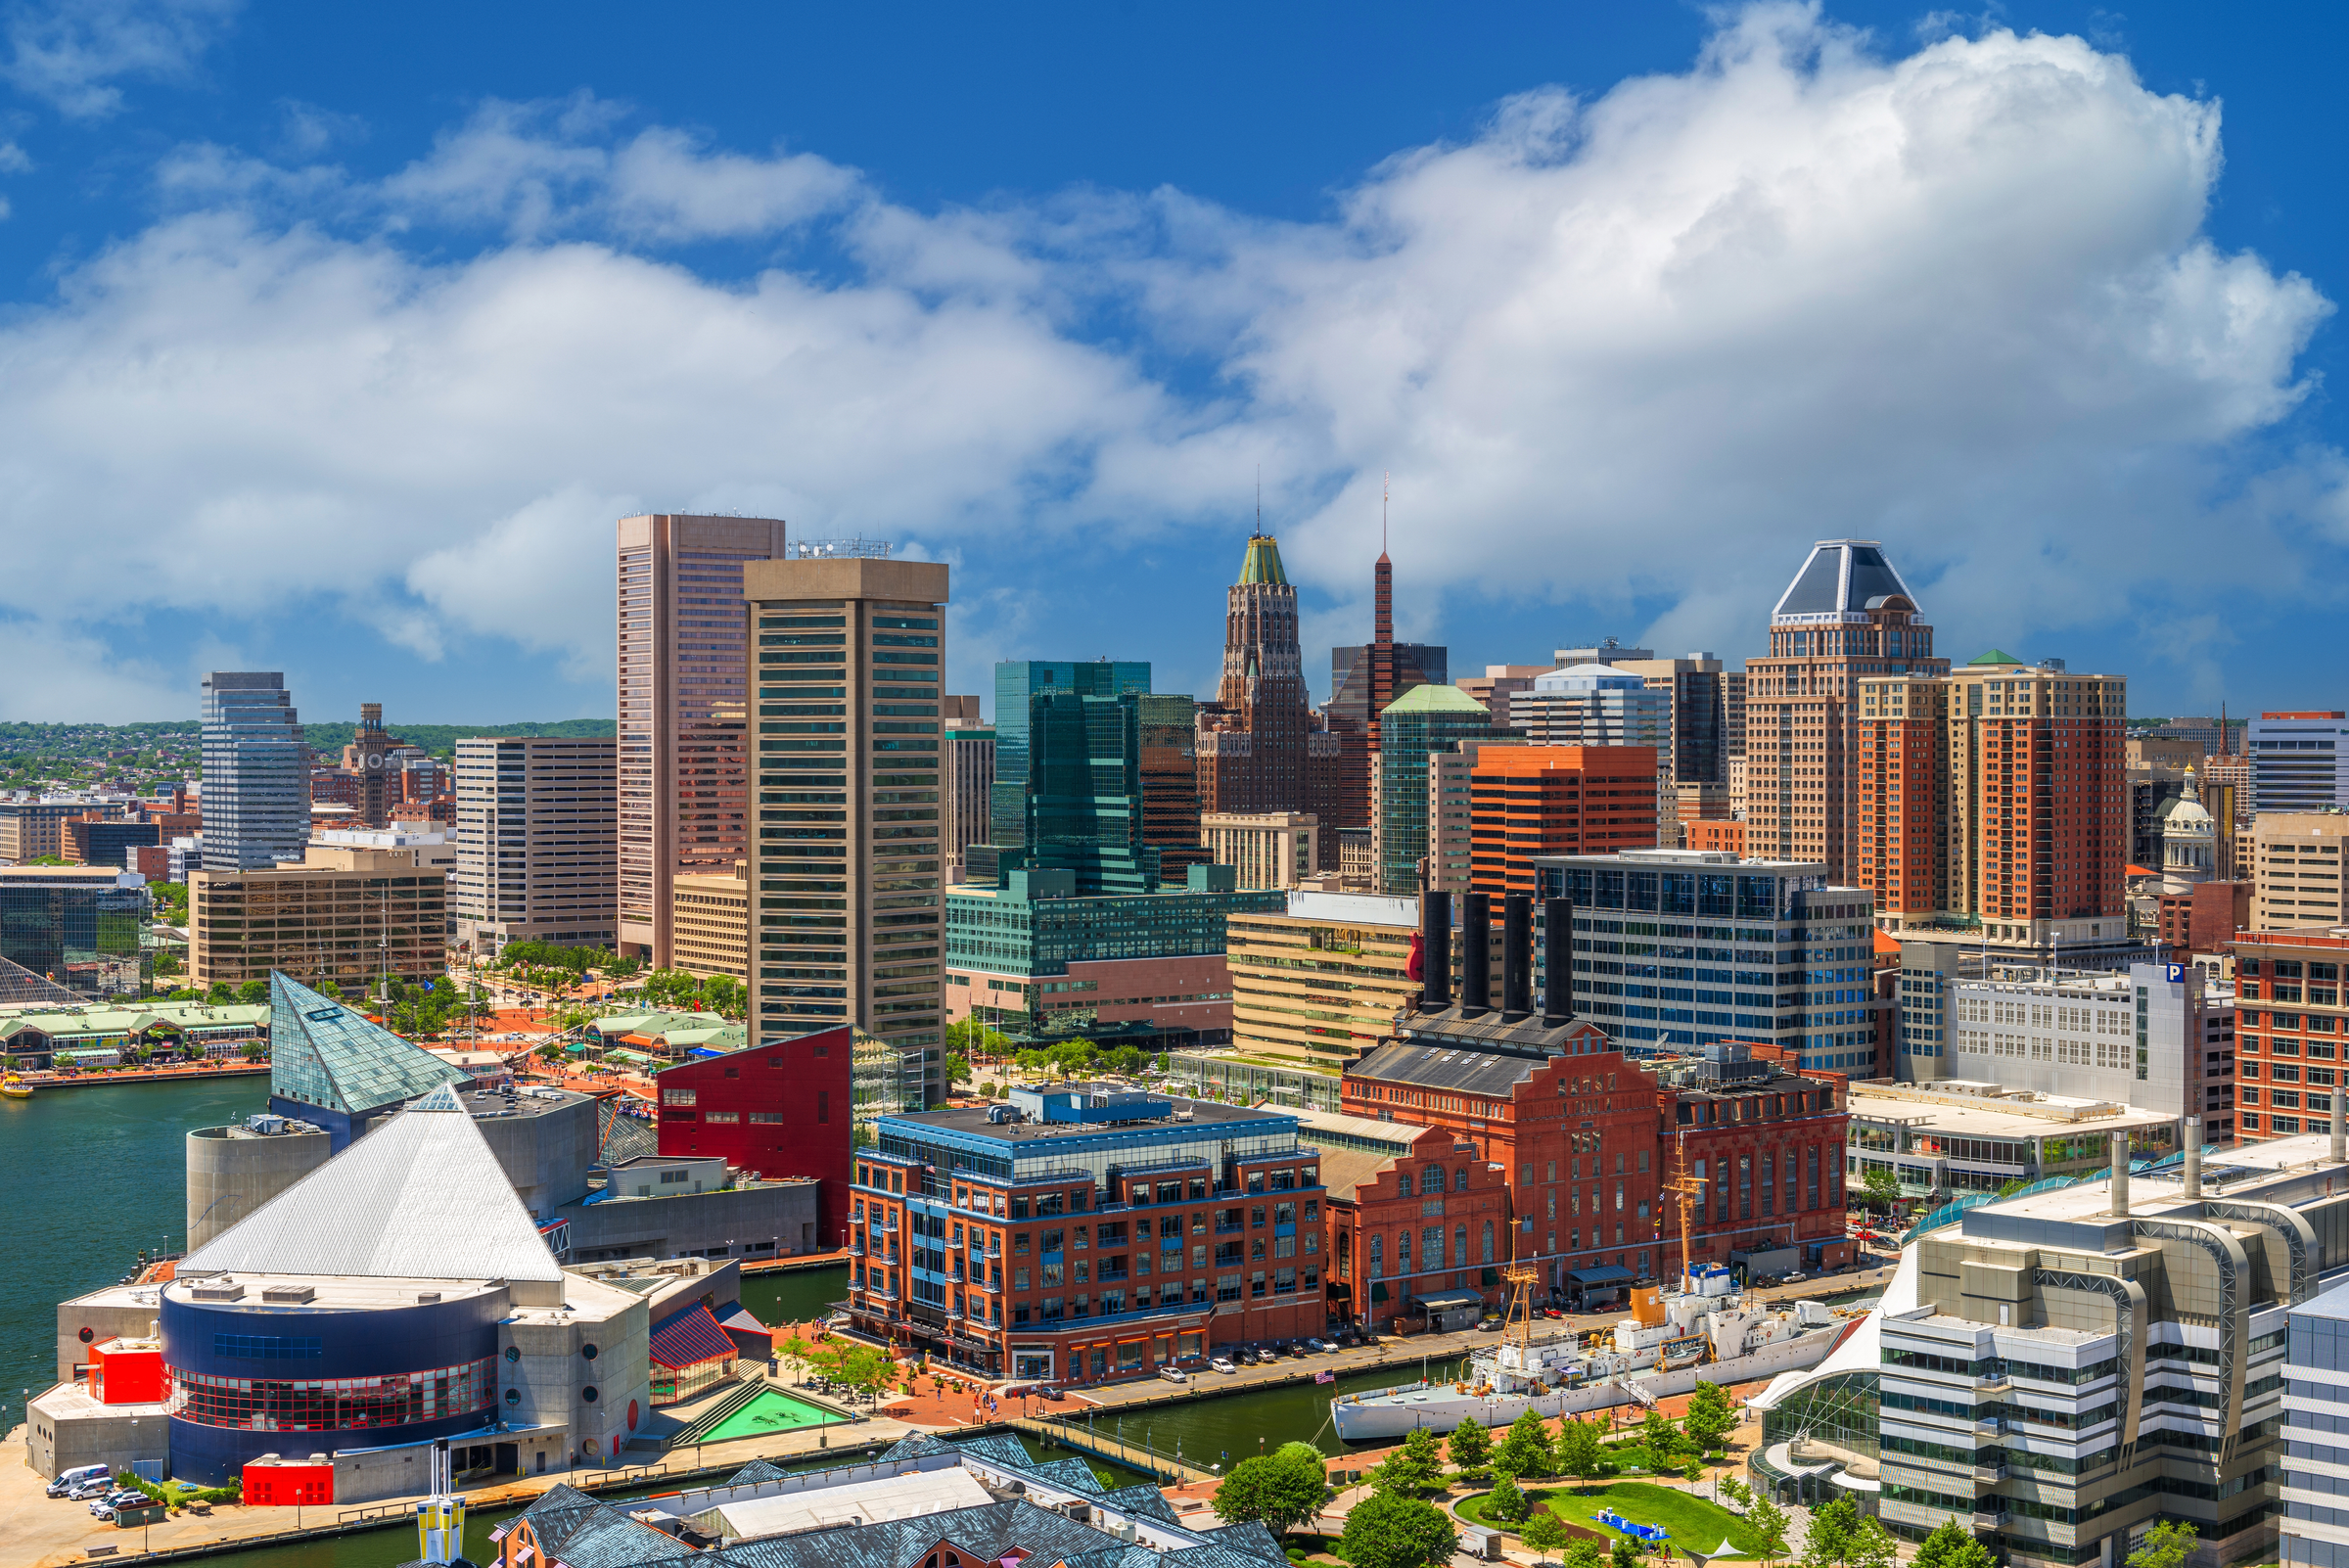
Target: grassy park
pixel 1694 1523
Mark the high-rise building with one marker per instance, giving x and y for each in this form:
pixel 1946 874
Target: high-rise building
pixel 256 771
pixel 537 856
pixel 2299 762
pixel 1266 848
pixel 1024 688
pixel 1846 614
pixel 1532 801
pixel 1365 678
pixel 76 926
pixel 970 773
pixel 2292 1027
pixel 1679 948
pixel 1600 704
pixel 1420 724
pixel 847 865
pixel 1995 795
pixel 1497 685
pixel 1170 722
pixel 367 759
pixel 1253 743
pixel 683 800
pixel 713 922
pixel 2296 870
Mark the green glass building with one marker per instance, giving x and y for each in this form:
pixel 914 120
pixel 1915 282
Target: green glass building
pixel 1068 790
pixel 1419 724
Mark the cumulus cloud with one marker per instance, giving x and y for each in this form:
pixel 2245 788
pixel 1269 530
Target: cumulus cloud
pixel 72 53
pixel 1634 348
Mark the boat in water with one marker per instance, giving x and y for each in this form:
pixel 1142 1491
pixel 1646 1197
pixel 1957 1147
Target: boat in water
pixel 1709 1330
pixel 13 1087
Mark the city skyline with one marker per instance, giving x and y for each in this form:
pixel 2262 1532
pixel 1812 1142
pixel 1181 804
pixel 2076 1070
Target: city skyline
pixel 1567 461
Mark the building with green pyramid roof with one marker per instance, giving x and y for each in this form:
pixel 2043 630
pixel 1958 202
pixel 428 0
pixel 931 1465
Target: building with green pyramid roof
pixel 1994 657
pixel 1418 724
pixel 329 1067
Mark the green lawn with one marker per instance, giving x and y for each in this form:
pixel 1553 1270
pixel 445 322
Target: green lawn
pixel 1694 1523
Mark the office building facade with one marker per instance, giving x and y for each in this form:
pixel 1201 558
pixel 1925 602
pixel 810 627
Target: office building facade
pixel 2299 761
pixel 1041 722
pixel 1995 795
pixel 970 773
pixel 76 926
pixel 1321 977
pixel 1530 802
pixel 683 692
pixel 2296 870
pixel 1846 615
pixel 847 865
pixel 349 915
pixel 1256 749
pixel 1675 949
pixel 536 841
pixel 1170 731
pixel 1418 726
pixel 2290 1030
pixel 257 798
pixel 1363 679
pixel 711 923
pixel 1265 848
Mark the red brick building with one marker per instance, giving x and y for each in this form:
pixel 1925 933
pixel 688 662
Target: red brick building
pixel 2290 1030
pixel 782 1109
pixel 1527 800
pixel 2204 919
pixel 1765 1140
pixel 1413 1213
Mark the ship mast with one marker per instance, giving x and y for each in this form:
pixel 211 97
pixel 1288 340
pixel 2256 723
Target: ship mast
pixel 1520 1279
pixel 1687 1189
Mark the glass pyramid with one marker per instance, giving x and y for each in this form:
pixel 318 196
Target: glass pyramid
pixel 19 985
pixel 324 1053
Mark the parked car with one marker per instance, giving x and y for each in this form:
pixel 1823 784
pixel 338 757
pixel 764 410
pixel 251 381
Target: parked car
pixel 1320 1346
pixel 1794 1279
pixel 81 1475
pixel 1173 1375
pixel 1297 1351
pixel 1223 1363
pixel 1267 1355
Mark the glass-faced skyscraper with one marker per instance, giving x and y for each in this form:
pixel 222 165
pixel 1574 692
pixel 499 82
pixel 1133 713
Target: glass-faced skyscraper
pixel 256 772
pixel 1040 709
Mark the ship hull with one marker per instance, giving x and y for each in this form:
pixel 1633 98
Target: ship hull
pixel 1440 1407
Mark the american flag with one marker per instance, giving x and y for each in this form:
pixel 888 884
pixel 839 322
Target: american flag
pixel 1325 1377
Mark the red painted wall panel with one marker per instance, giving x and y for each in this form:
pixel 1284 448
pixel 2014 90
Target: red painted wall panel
pixel 803 1084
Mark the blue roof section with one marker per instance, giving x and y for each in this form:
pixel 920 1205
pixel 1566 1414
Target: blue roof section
pixel 324 1053
pixel 1841 576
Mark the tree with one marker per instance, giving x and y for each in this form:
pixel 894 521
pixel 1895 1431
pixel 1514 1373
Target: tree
pixel 1766 1522
pixel 1880 1187
pixel 1425 1451
pixel 1279 1491
pixel 1125 1060
pixel 1578 1451
pixel 1544 1532
pixel 1400 1474
pixel 221 994
pixel 1833 1538
pixel 1525 1450
pixel 958 1068
pixel 1950 1546
pixel 1585 1553
pixel 1469 1448
pixel 1624 1555
pixel 2165 1546
pixel 1391 1532
pixel 1507 1503
pixel 1735 1491
pixel 1660 1438
pixel 1711 1417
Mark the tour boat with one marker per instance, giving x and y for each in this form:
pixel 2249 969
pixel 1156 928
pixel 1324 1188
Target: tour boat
pixel 14 1087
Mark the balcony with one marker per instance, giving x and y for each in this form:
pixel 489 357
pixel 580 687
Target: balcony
pixel 855 1249
pixel 955 1315
pixel 1989 1475
pixel 993 1287
pixel 994 1249
pixel 1989 1518
pixel 890 1223
pixel 881 1292
pixel 1989 1426
pixel 1994 1383
pixel 953 1276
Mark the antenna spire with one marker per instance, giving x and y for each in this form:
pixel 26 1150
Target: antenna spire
pixel 1259 497
pixel 1383 487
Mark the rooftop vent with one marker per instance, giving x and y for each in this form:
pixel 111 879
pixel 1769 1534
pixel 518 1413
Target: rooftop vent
pixel 290 1295
pixel 221 1290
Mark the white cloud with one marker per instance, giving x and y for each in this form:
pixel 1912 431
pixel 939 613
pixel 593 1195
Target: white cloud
pixel 1634 349
pixel 71 53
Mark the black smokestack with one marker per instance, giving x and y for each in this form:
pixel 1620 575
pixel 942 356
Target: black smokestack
pixel 1476 952
pixel 1434 951
pixel 1557 980
pixel 1516 959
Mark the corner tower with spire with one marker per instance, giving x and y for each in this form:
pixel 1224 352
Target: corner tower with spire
pixel 1253 741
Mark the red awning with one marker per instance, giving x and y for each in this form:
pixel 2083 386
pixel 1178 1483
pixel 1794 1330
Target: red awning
pixel 691 1340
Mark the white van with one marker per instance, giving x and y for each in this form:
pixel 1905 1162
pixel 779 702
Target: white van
pixel 77 1477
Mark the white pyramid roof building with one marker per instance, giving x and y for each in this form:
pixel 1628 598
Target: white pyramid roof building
pixel 421 1197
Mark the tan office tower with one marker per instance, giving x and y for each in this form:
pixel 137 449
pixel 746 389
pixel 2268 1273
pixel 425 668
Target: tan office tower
pixel 845 867
pixel 535 857
pixel 682 790
pixel 1847 615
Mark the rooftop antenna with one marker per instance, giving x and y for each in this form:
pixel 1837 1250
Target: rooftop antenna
pixel 1383 487
pixel 1260 498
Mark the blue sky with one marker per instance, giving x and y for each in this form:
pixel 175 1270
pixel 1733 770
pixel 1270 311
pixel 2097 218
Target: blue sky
pixel 334 340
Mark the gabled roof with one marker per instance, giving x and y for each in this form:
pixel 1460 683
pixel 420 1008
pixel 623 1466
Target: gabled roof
pixel 690 1339
pixel 1841 576
pixel 421 1197
pixel 323 1053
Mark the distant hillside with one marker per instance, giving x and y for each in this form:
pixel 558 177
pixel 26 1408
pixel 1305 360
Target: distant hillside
pixel 441 739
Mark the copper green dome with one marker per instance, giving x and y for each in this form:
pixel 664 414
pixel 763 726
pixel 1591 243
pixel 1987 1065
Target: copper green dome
pixel 1263 563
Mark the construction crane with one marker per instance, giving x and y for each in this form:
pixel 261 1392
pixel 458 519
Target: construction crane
pixel 1688 1190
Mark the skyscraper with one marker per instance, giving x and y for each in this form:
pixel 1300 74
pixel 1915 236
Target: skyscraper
pixel 536 856
pixel 1416 728
pixel 256 772
pixel 847 869
pixel 1254 745
pixel 2299 761
pixel 1846 614
pixel 1023 688
pixel 1529 800
pixel 1171 816
pixel 683 694
pixel 1364 677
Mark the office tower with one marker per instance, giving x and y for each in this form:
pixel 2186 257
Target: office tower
pixel 1266 849
pixel 1364 679
pixel 76 926
pixel 1599 705
pixel 1022 688
pixel 1530 801
pixel 1846 614
pixel 970 773
pixel 2299 762
pixel 349 913
pixel 1319 977
pixel 1253 743
pixel 712 923
pixel 1420 724
pixel 538 851
pixel 1498 684
pixel 683 801
pixel 256 796
pixel 366 760
pixel 1789 957
pixel 846 863
pixel 1171 783
pixel 1450 866
pixel 2296 870
pixel 1991 796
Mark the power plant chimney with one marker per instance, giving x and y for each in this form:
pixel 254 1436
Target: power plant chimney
pixel 1557 977
pixel 1434 951
pixel 2120 1173
pixel 1516 959
pixel 2193 1157
pixel 1476 953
